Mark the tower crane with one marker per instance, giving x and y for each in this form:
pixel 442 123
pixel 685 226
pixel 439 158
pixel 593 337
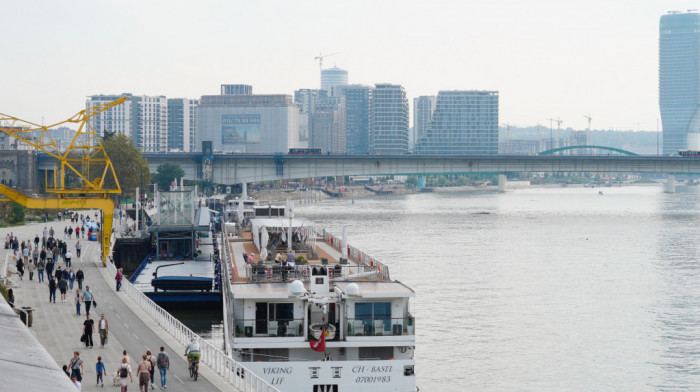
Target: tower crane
pixel 551 137
pixel 320 58
pixel 588 130
pixel 507 125
pixel 85 159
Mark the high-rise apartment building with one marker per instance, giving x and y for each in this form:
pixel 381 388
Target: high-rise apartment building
pixel 120 119
pixel 333 77
pixel 248 123
pixel 423 108
pixel 152 126
pixel 358 106
pixel 182 122
pixel 321 119
pixel 464 122
pixel 327 125
pixel 679 81
pixel 142 118
pixel 389 120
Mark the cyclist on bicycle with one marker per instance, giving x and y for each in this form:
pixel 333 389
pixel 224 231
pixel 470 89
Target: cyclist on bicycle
pixel 192 351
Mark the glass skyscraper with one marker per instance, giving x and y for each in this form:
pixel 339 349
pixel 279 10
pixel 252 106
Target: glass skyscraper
pixel 679 81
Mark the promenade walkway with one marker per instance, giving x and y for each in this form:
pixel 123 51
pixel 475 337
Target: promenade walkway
pixel 58 328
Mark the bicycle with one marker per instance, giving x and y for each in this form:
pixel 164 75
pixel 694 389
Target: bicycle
pixel 193 368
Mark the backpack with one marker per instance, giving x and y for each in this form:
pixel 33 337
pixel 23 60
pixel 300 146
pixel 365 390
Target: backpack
pixel 152 360
pixel 161 360
pixel 123 372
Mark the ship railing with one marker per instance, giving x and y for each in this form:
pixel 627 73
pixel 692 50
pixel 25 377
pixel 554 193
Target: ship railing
pixel 381 326
pixel 226 274
pixel 233 372
pixel 256 328
pixel 355 254
pixel 275 272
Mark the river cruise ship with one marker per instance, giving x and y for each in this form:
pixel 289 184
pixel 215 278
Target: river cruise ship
pixel 309 313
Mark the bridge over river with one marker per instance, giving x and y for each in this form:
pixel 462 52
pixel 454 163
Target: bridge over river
pixel 33 356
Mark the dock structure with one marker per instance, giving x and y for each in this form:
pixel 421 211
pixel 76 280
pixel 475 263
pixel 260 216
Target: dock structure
pixel 132 327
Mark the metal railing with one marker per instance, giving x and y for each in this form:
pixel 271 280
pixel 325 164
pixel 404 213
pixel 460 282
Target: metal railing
pixel 231 371
pixel 381 326
pixel 355 254
pixel 226 274
pixel 255 328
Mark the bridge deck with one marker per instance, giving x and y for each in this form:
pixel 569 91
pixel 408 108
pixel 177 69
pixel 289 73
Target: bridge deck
pixel 58 328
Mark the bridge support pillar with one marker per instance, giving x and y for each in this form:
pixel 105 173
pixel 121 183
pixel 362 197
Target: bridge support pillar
pixel 502 182
pixel 244 191
pixel 421 182
pixel 670 186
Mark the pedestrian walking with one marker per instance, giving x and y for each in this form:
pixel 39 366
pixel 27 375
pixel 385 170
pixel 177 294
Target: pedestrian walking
pixel 36 241
pixel 52 289
pixel 80 275
pixel 76 383
pixel 30 268
pixel 11 298
pixel 89 299
pixel 103 327
pixel 20 267
pixel 78 301
pixel 65 233
pixel 77 234
pixel 163 366
pixel 118 278
pixel 70 233
pixel 143 373
pixel 76 366
pixel 152 360
pixel 101 371
pixel 77 246
pixel 88 327
pixel 71 278
pixel 62 288
pixel 124 373
pixel 40 270
pixel 35 254
pixel 68 258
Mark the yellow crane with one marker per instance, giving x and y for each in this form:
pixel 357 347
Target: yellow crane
pixel 84 161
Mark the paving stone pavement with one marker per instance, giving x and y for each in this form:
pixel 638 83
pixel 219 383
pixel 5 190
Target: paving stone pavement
pixel 58 328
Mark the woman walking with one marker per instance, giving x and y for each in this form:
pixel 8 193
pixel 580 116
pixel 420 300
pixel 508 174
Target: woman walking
pixel 78 300
pixel 88 326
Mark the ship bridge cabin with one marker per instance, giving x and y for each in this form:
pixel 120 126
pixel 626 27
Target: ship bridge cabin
pixel 353 314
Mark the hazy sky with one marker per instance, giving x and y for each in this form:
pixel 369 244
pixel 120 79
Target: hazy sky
pixel 562 58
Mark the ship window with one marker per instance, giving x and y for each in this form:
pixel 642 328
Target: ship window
pixel 376 353
pixel 280 311
pixel 373 310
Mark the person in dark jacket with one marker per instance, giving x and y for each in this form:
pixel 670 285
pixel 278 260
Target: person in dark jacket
pixel 52 289
pixel 11 298
pixel 79 276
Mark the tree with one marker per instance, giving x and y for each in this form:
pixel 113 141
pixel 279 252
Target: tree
pixel 166 173
pixel 130 166
pixel 412 181
pixel 442 180
pixel 16 214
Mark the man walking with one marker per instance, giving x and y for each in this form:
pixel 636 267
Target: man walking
pixel 163 366
pixel 76 366
pixel 68 257
pixel 40 270
pixel 103 326
pixel 77 246
pixel 87 294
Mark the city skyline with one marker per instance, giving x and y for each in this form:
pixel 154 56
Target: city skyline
pixel 546 59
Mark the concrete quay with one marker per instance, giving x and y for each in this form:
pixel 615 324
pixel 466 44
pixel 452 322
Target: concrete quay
pixel 57 327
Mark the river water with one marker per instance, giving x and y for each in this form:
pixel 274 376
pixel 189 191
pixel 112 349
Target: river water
pixel 557 289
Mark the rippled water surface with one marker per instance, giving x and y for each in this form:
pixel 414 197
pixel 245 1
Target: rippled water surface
pixel 541 289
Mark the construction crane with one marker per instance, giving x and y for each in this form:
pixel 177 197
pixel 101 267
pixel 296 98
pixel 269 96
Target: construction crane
pixel 507 125
pixel 320 58
pixel 551 130
pixel 85 160
pixel 588 130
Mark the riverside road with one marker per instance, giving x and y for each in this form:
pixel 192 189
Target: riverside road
pixel 58 328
